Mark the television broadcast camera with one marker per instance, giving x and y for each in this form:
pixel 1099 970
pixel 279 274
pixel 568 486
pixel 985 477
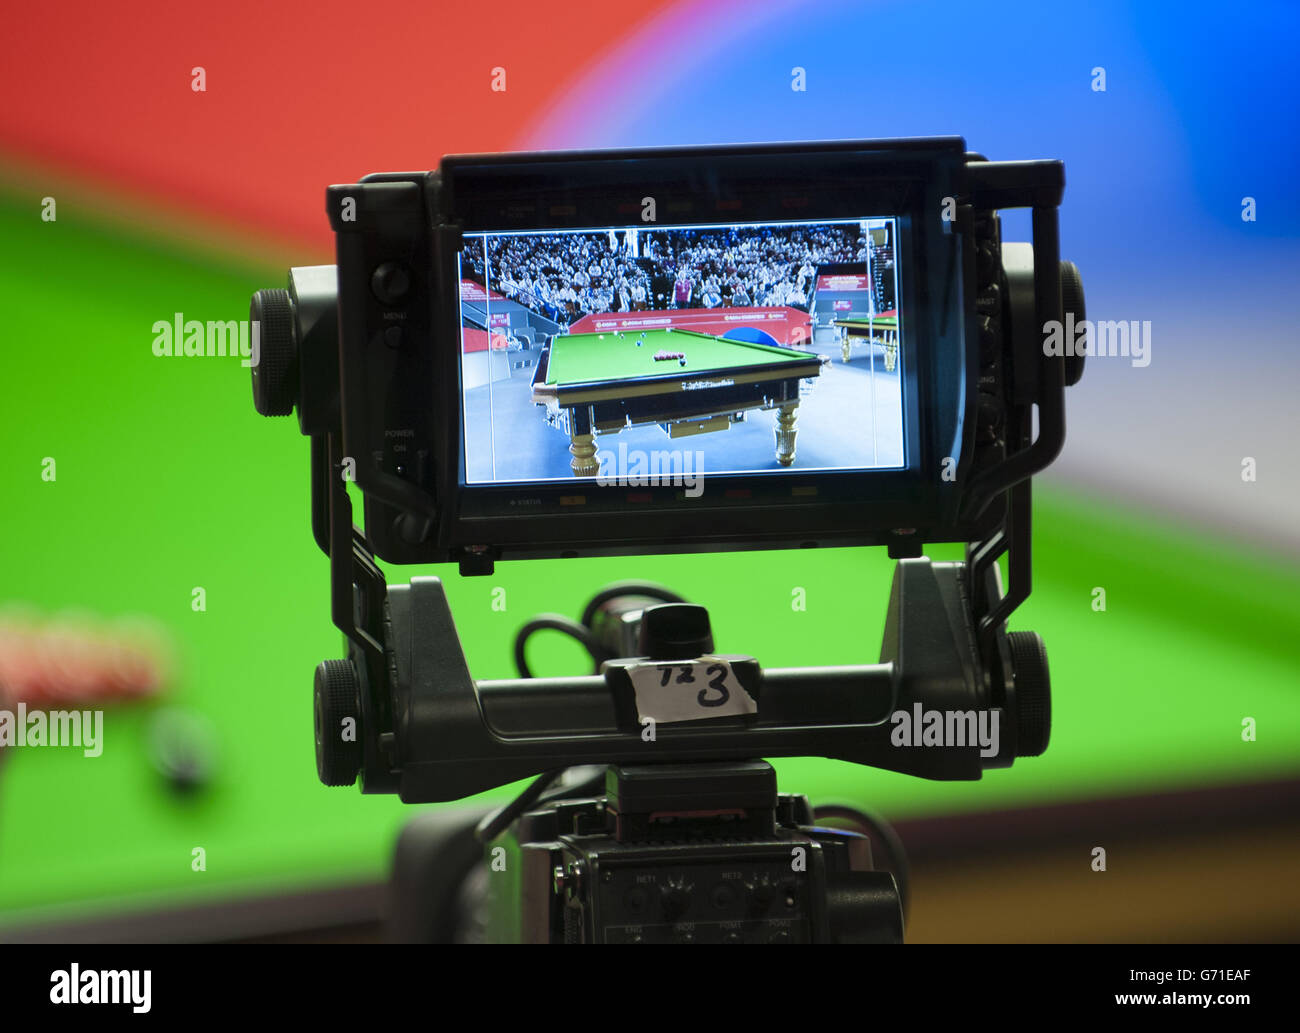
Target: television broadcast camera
pixel 652 351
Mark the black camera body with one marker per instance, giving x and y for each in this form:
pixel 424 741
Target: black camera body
pixel 600 870
pixel 484 316
pixel 390 334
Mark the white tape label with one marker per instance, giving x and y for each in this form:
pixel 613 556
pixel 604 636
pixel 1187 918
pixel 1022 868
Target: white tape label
pixel 689 690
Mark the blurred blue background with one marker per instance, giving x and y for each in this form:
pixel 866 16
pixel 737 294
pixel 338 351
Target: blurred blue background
pixel 1198 113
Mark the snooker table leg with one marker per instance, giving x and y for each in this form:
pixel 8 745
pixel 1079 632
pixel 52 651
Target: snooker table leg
pixel 785 431
pixel 582 444
pixel 846 346
pixel 583 450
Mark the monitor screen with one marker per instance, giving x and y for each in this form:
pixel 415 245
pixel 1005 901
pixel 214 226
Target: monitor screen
pixel 636 354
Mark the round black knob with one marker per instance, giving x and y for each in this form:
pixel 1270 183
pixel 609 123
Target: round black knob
pixel 275 369
pixel 675 631
pixel 338 723
pixel 1033 692
pixel 762 890
pixel 675 898
pixel 391 282
pixel 1072 301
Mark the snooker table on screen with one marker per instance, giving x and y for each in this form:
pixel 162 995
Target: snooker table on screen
pixel 600 383
pixel 882 328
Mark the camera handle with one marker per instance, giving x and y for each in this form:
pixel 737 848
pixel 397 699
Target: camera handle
pixel 428 731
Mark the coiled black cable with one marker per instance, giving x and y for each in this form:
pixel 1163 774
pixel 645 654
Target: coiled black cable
pixel 581 630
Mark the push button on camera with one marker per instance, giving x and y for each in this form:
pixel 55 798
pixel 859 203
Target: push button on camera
pixel 393 337
pixel 391 282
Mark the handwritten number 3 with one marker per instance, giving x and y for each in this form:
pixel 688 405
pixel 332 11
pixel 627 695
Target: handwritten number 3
pixel 718 677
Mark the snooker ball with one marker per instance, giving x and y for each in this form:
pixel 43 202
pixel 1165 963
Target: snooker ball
pixel 681 362
pixel 182 747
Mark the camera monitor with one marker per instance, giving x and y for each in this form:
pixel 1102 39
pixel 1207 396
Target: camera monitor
pixel 603 353
pixel 622 354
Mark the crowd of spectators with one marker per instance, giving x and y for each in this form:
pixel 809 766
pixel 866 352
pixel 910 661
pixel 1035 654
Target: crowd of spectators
pixel 565 276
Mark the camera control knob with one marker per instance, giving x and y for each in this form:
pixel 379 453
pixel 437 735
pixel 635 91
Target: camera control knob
pixel 391 282
pixel 675 898
pixel 1072 301
pixel 337 699
pixel 275 367
pixel 675 631
pixel 1033 693
pixel 762 890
